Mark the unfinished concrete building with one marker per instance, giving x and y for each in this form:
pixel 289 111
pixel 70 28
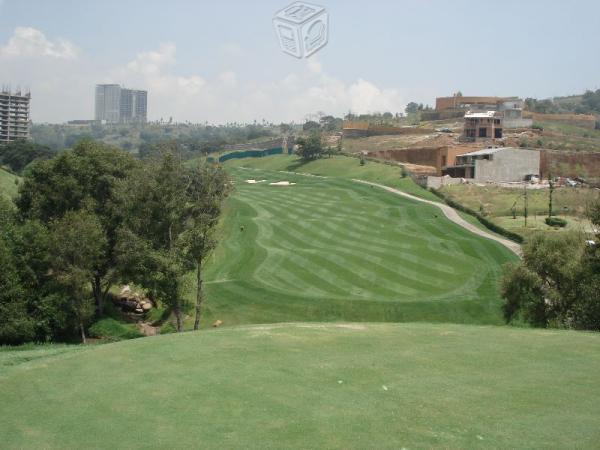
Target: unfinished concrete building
pixel 502 164
pixel 482 125
pixel 14 116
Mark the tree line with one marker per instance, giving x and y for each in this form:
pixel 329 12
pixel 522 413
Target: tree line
pixel 93 217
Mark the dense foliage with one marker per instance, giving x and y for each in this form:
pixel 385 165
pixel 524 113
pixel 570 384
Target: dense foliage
pixel 94 216
pixel 311 147
pixel 192 140
pixel 558 282
pixel 588 103
pixel 18 154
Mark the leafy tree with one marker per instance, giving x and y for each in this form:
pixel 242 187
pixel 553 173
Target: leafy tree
pixel 556 284
pixel 207 188
pixel 78 244
pixel 15 324
pixel 311 125
pixel 522 289
pixel 330 123
pixel 82 179
pixel 310 148
pixel 18 154
pixel 411 108
pixel 170 212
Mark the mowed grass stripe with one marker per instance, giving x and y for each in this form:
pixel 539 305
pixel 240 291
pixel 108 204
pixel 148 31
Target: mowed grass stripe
pixel 315 249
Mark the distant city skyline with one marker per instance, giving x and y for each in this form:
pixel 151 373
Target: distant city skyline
pixel 380 55
pixel 115 104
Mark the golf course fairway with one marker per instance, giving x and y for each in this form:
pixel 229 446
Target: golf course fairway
pixel 310 385
pixel 323 249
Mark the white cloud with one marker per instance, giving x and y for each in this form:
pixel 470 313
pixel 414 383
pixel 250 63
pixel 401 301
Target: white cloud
pixel 27 42
pixel 62 85
pixel 229 98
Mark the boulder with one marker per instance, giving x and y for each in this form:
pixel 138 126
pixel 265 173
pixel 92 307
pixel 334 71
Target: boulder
pixel 146 306
pixel 217 323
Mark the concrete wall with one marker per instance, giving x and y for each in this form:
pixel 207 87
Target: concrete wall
pixel 517 123
pixel 508 165
pixel 438 182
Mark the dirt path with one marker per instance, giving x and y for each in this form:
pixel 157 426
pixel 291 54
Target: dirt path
pixel 452 215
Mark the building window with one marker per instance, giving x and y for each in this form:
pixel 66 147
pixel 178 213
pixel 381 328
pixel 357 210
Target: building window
pixel 482 132
pixel 498 133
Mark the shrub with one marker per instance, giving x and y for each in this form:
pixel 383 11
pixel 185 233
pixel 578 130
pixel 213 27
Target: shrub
pixel 556 222
pixel 112 330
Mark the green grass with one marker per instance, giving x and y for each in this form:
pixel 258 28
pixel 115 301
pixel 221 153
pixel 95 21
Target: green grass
pixel 313 386
pixel 110 329
pixel 338 167
pixel 8 188
pixel 498 201
pixel 329 249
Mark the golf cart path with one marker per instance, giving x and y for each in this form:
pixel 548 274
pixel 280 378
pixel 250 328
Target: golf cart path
pixel 452 215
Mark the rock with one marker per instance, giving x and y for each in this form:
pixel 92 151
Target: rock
pixel 217 323
pixel 139 311
pixel 146 306
pixel 126 290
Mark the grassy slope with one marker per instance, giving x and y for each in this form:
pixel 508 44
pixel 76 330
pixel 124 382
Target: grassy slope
pixel 8 188
pixel 313 386
pixel 337 167
pixel 331 249
pixel 568 203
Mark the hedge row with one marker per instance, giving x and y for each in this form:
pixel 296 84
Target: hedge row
pixel 485 222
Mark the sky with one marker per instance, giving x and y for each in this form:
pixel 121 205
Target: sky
pixel 220 61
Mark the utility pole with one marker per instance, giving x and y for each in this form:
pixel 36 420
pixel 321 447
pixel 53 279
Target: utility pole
pixel 526 205
pixel 550 196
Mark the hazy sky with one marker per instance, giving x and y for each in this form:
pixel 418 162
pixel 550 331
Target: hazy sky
pixel 220 61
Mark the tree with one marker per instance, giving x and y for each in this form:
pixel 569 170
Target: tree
pixel 208 188
pixel 170 212
pixel 311 125
pixel 18 154
pixel 411 108
pixel 78 244
pixel 310 148
pixel 82 179
pixel 522 289
pixel 554 284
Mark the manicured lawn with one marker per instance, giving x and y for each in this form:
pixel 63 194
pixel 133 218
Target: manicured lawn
pixel 330 249
pixel 8 188
pixel 313 386
pixel 338 167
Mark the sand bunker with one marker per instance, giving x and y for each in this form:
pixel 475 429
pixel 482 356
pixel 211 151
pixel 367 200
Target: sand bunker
pixel 255 181
pixel 282 183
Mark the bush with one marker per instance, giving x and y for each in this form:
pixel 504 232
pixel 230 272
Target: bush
pixel 112 330
pixel 485 222
pixel 556 222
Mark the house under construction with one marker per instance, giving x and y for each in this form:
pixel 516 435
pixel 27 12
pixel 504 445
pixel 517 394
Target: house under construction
pixel 14 116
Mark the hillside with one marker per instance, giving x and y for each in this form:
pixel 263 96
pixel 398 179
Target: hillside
pixel 331 249
pixel 8 188
pixel 312 386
